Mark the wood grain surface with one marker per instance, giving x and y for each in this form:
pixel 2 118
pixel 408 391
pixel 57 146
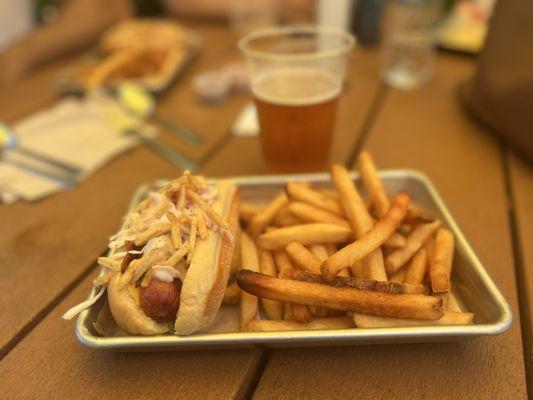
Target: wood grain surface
pixel 50 363
pixel 50 244
pixel 427 130
pixel 243 155
pixel 521 188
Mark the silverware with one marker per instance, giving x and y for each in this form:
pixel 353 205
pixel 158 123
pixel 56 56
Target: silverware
pixel 130 126
pixel 8 141
pixel 141 103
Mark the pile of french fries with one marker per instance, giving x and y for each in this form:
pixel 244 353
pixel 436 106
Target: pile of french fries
pixel 328 259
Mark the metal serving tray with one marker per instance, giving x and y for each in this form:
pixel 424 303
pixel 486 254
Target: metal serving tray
pixel 475 290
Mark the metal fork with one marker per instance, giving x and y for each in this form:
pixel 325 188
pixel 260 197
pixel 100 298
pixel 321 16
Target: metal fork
pixel 130 126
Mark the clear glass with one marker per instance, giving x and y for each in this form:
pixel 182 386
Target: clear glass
pixel 408 42
pixel 296 76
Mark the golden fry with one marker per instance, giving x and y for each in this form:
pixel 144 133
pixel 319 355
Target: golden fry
pixel 373 184
pixel 359 218
pixel 300 192
pixel 415 241
pixel 341 298
pixel 303 258
pixel 250 260
pixel 370 241
pixel 416 270
pixel 308 213
pixel 316 324
pixel 284 218
pixel 232 294
pixel 449 318
pixel 441 264
pixel 306 234
pixel 264 218
pixel 396 241
pixel 247 211
pixel 273 309
pixel 363 284
pixel 320 251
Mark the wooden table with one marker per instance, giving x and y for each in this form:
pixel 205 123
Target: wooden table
pixel 48 251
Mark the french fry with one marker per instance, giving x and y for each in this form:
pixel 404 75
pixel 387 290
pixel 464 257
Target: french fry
pixel 398 276
pixel 418 215
pixel 396 241
pixel 232 294
pixel 453 304
pixel 320 251
pixel 316 324
pixel 415 241
pixel 284 218
pixel 300 192
pixel 441 264
pixel 306 234
pixel 302 257
pixel 273 309
pixel 247 211
pixel 262 219
pixel 340 298
pixel 287 312
pixel 286 270
pixel 333 194
pixel 331 248
pixel 370 241
pixel 359 218
pixel 250 260
pixel 405 229
pixel 373 184
pixel 449 318
pixel 308 213
pixel 363 284
pixel 416 270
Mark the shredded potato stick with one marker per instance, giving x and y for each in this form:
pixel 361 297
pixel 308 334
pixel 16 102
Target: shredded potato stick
pixel 181 199
pixel 178 255
pixel 175 235
pixel 192 238
pixel 109 263
pixel 147 278
pixel 202 228
pixel 208 210
pixel 155 230
pixel 103 278
pixel 172 217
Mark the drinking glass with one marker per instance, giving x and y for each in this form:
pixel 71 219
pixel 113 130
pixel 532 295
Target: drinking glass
pixel 296 76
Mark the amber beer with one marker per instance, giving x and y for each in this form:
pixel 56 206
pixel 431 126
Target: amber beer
pixel 296 110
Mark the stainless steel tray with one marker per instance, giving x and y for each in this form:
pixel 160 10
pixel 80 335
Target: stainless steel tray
pixel 473 287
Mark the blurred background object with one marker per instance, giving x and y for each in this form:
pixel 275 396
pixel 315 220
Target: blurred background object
pixel 465 27
pixel 500 94
pixel 409 28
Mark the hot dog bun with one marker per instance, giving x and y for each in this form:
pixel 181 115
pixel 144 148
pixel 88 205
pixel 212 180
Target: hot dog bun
pixel 204 283
pixel 207 277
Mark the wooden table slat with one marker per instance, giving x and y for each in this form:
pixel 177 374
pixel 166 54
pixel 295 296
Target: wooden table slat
pixel 51 363
pixel 521 185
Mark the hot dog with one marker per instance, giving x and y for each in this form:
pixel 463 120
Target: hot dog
pixel 169 264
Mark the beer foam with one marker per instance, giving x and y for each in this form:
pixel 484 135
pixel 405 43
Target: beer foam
pixel 296 86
